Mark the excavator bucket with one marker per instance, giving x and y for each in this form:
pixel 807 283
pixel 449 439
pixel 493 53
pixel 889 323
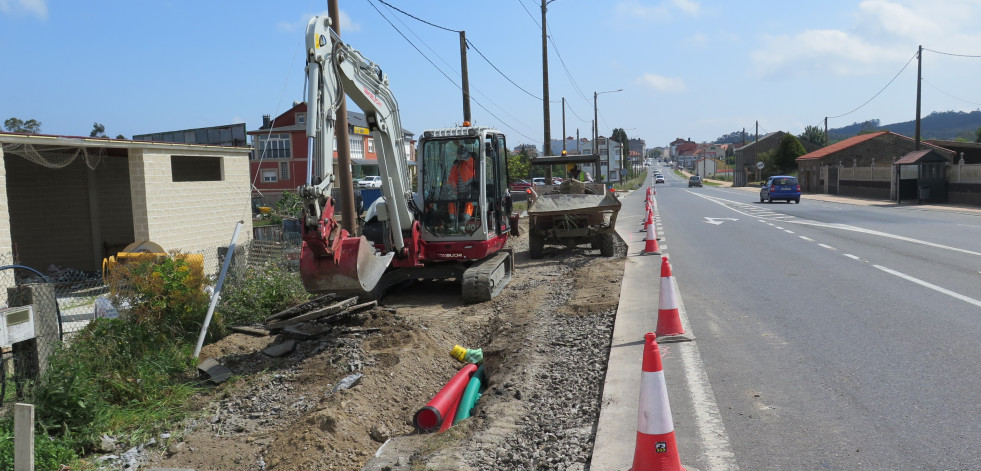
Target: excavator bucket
pixel 353 271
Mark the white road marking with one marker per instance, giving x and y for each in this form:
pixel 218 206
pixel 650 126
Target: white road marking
pixel 806 238
pixel 711 431
pixel 934 287
pixel 788 231
pixel 853 257
pixel 827 246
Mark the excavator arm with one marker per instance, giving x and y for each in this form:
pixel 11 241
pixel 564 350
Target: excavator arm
pixel 333 260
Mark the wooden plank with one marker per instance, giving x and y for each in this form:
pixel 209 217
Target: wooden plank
pixel 23 437
pixel 249 330
pixel 332 309
pixel 300 308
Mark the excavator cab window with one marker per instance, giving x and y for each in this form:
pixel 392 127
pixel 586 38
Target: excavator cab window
pixel 450 186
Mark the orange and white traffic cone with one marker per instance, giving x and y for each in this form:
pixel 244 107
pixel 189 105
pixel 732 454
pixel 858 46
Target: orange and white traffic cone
pixel 656 448
pixel 650 218
pixel 650 243
pixel 668 316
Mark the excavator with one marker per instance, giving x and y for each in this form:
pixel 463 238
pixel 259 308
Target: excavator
pixel 447 227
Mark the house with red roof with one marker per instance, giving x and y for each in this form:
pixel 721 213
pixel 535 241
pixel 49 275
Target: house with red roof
pixel 861 166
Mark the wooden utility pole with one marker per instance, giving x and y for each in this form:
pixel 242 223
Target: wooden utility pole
pixel 563 123
pixel 825 130
pixel 344 181
pixel 919 81
pixel 548 124
pixel 465 76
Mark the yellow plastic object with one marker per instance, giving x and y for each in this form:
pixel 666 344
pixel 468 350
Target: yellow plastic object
pixel 466 355
pixel 265 210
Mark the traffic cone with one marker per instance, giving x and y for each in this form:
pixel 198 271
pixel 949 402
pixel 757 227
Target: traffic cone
pixel 650 243
pixel 668 316
pixel 650 219
pixel 656 448
pixel 649 192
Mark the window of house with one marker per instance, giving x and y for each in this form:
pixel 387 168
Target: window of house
pixel 188 168
pixel 301 118
pixel 371 145
pixel 284 170
pixel 357 147
pixel 274 146
pixel 269 176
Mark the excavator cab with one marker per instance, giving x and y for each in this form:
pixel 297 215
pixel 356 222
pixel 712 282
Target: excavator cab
pixel 462 184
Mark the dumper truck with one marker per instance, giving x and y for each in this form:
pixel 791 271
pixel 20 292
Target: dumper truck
pixel 571 213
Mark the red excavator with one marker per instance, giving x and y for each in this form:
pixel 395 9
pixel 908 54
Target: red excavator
pixel 453 225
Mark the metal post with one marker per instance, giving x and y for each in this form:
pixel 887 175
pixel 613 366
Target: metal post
pixel 216 294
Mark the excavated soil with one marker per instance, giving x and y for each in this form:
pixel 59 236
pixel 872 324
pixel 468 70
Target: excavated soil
pixel 545 340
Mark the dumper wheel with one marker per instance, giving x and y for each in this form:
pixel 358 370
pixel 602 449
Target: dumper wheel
pixel 608 244
pixel 536 245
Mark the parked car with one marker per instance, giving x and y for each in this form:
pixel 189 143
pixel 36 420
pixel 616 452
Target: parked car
pixel 780 187
pixel 371 181
pixel 520 185
pixel 658 178
pixel 538 181
pixel 695 180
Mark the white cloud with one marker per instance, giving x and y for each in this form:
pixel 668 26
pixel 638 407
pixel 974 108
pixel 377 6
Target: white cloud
pixel 301 24
pixel 663 11
pixel 38 8
pixel 885 35
pixel 661 83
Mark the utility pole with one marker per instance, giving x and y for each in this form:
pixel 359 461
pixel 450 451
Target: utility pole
pixel 345 182
pixel 825 130
pixel 466 76
pixel 756 152
pixel 548 124
pixel 919 81
pixel 563 123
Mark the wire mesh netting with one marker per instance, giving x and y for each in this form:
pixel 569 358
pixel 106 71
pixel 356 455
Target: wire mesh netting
pixel 66 300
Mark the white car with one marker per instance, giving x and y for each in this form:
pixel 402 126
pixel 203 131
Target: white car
pixel 659 179
pixel 371 181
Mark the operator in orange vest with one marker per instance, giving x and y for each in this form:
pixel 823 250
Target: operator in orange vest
pixel 461 181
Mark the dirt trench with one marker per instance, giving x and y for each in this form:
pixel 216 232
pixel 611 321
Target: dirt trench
pixel 285 414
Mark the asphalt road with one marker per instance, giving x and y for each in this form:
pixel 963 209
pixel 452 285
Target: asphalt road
pixel 834 336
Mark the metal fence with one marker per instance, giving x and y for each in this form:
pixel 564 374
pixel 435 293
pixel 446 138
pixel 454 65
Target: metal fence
pixel 66 300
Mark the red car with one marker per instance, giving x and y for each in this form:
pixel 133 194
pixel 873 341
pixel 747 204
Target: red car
pixel 520 185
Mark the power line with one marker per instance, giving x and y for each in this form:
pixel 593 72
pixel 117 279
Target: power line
pixel 389 5
pixel 951 54
pixel 880 91
pixel 440 70
pixel 948 94
pixel 471 44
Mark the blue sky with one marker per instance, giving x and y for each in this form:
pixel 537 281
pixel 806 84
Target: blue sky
pixel 688 68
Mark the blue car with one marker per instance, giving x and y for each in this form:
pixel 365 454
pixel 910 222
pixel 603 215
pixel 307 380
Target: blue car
pixel 780 187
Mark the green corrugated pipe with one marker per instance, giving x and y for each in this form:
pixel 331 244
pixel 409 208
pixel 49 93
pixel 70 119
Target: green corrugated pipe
pixel 471 395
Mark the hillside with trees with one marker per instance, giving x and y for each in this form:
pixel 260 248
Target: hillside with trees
pixel 948 125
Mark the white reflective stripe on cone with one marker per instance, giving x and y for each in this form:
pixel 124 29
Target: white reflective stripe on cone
pixel 655 412
pixel 667 300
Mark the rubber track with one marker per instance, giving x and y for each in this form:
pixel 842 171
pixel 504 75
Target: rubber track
pixel 477 286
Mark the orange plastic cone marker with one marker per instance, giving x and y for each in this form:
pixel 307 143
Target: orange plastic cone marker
pixel 656 448
pixel 650 244
pixel 668 316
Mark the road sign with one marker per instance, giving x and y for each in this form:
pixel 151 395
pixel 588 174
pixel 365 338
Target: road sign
pixel 759 165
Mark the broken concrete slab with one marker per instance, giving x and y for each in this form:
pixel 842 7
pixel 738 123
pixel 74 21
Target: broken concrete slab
pixel 216 372
pixel 280 349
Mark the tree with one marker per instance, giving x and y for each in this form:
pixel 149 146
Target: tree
pixel 813 134
pixel 978 133
pixel 619 135
pixel 519 165
pixel 98 130
pixel 787 152
pixel 120 136
pixel 27 127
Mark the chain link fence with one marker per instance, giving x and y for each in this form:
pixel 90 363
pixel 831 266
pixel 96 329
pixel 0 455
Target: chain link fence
pixel 66 300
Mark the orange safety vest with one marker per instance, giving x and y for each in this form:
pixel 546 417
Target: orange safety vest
pixel 461 175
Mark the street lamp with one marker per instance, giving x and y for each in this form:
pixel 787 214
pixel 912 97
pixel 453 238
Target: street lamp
pixel 596 123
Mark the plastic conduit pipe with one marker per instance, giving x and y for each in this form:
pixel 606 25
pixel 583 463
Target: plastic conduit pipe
pixel 430 417
pixel 471 395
